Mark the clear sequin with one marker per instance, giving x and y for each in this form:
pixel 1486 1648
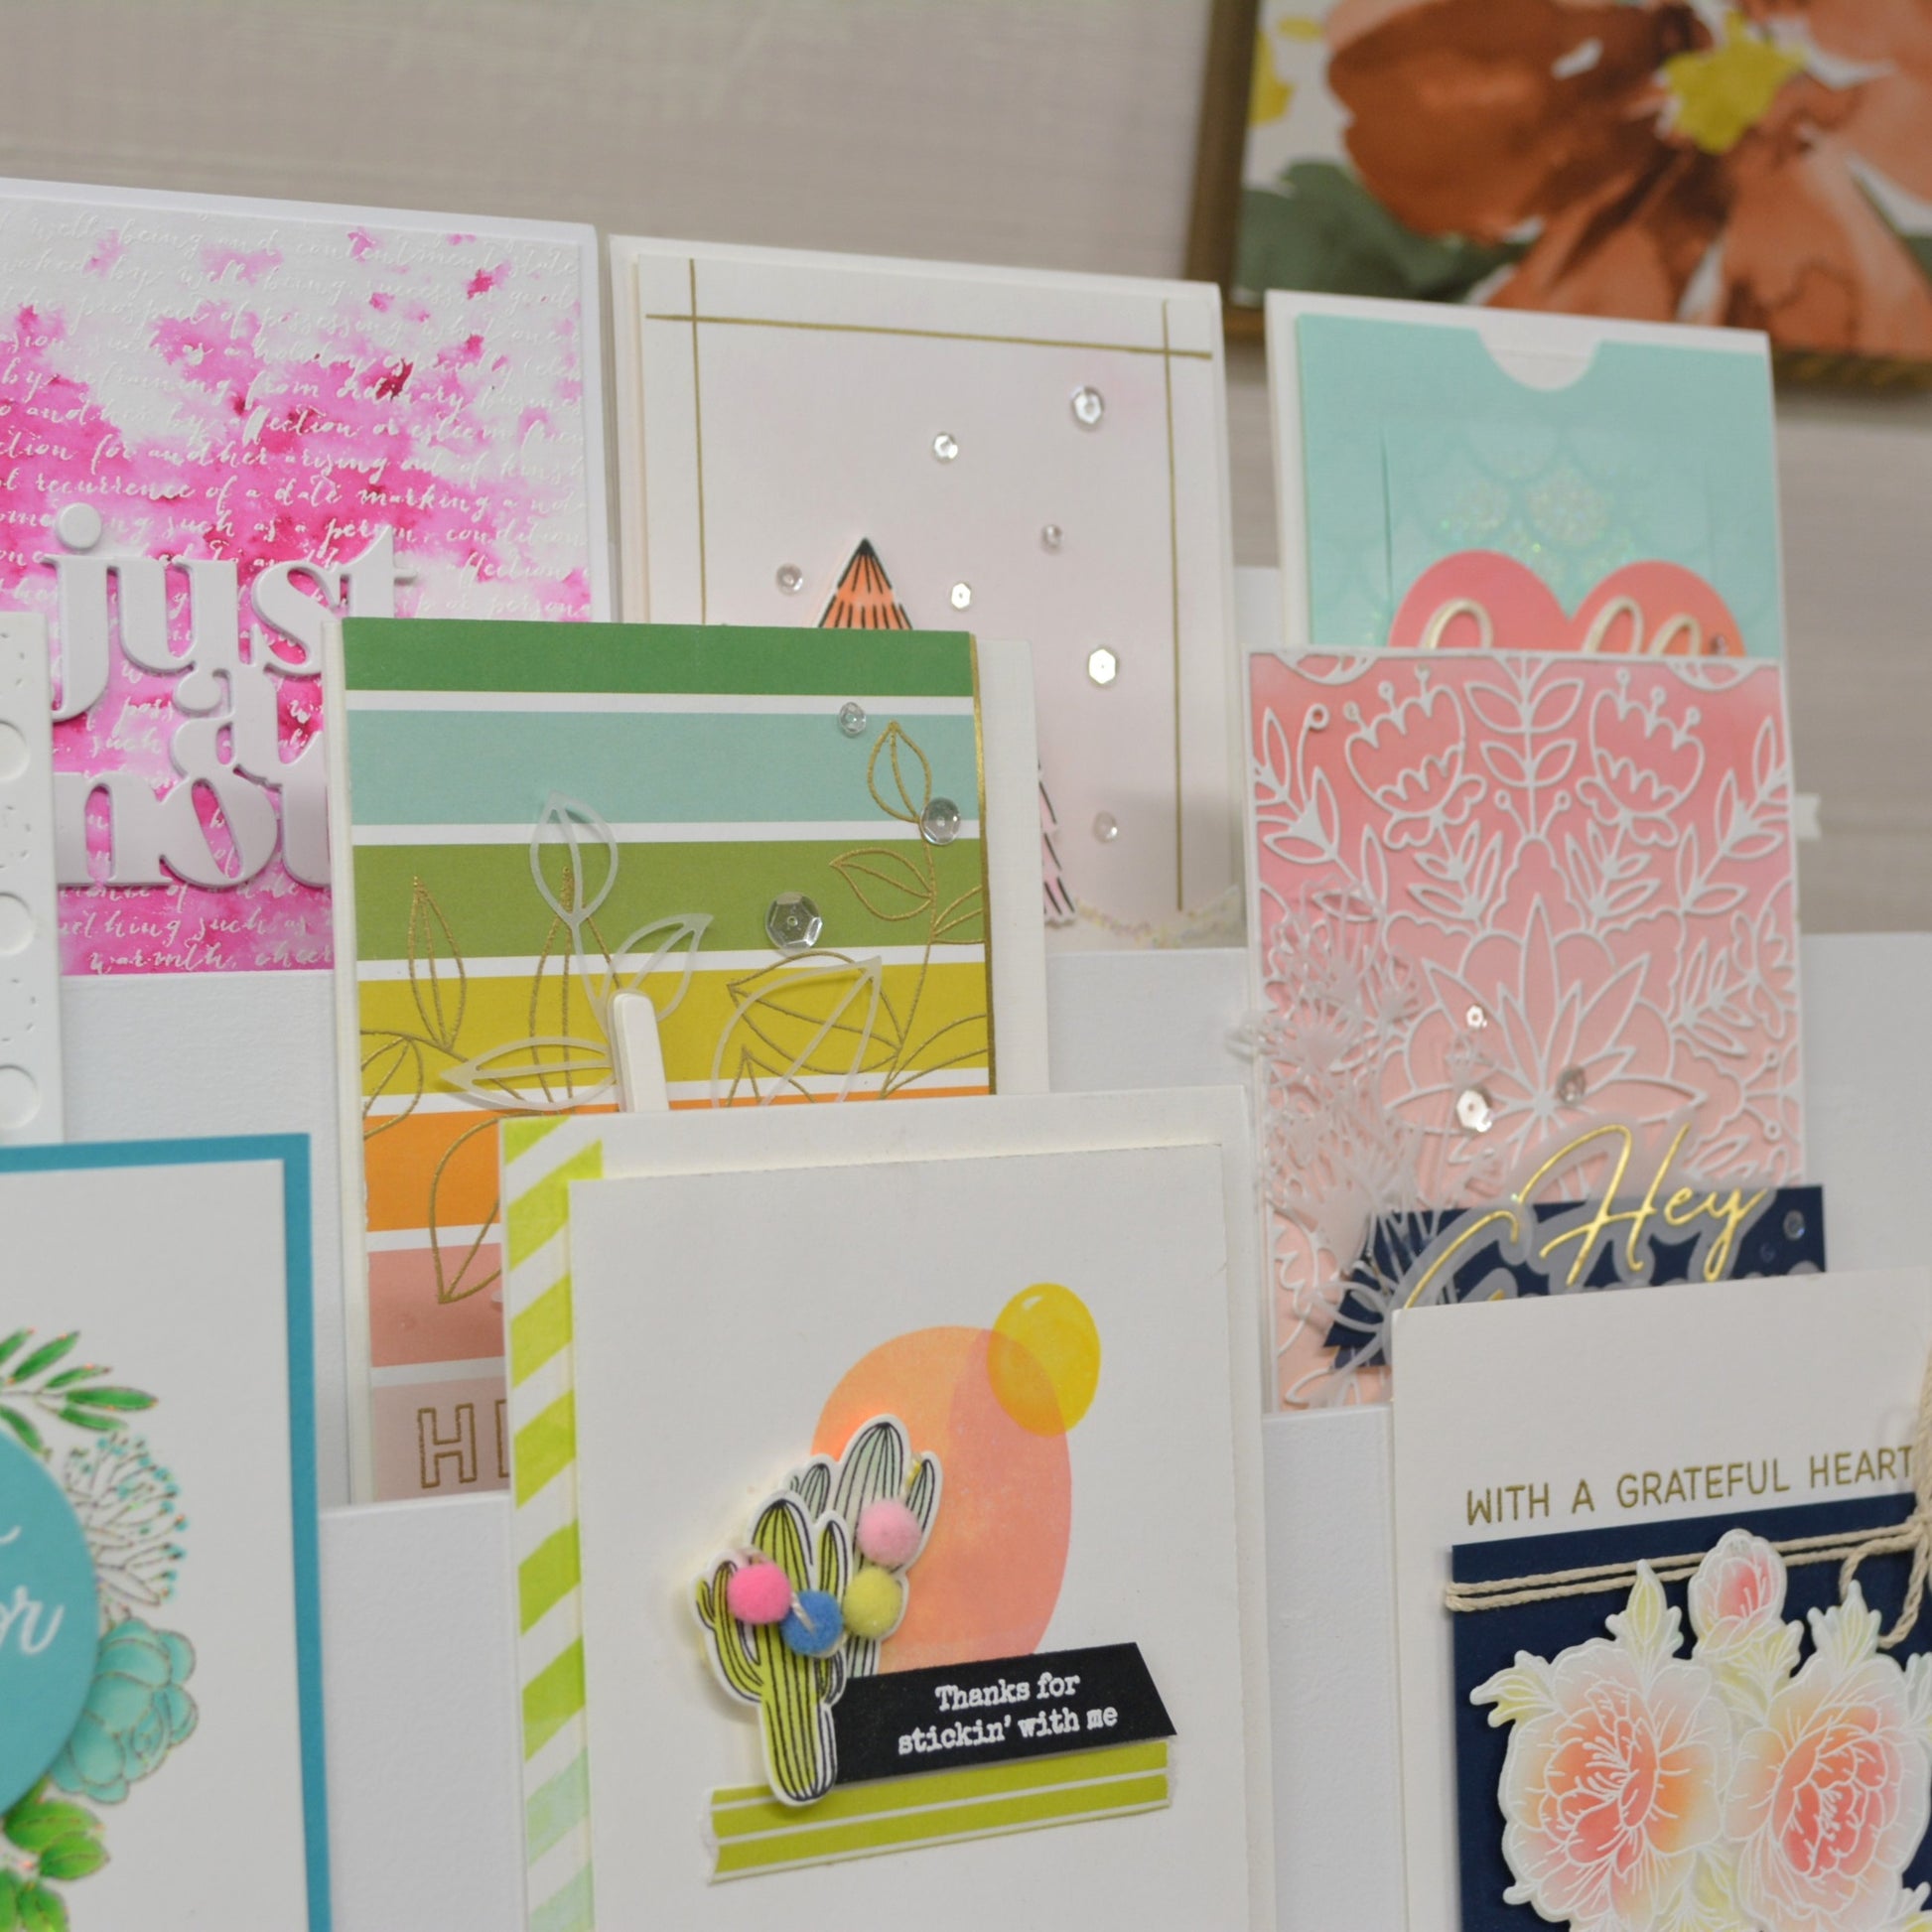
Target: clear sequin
pixel 1106 828
pixel 1102 665
pixel 1794 1224
pixel 1090 405
pixel 791 579
pixel 852 719
pixel 1051 536
pixel 1475 1110
pixel 962 596
pixel 945 446
pixel 1476 1017
pixel 792 923
pixel 1571 1085
pixel 939 822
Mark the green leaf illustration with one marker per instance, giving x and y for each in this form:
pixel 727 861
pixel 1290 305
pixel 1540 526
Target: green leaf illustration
pixel 33 1826
pixel 11 1346
pixel 1318 228
pixel 24 1429
pixel 45 1357
pixel 41 1910
pixel 128 1399
pixel 72 1857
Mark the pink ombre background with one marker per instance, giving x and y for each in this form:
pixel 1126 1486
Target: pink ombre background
pixel 264 383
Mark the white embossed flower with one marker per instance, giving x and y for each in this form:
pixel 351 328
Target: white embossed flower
pixel 1411 760
pixel 1612 1788
pixel 1831 1794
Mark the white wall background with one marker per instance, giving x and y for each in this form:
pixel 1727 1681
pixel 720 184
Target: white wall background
pixel 1056 133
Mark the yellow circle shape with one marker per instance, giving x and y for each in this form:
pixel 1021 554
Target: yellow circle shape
pixel 1043 1361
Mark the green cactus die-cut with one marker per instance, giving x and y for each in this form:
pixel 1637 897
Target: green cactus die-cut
pixel 794 1694
pixel 807 1531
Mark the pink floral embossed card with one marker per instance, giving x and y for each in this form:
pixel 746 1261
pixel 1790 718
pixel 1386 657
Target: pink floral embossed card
pixel 1501 900
pixel 221 423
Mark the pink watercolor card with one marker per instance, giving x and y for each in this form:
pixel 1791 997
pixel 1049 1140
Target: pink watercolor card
pixel 224 422
pixel 1498 901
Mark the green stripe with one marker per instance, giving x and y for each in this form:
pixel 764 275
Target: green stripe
pixel 487 894
pixel 541 1329
pixel 819 1845
pixel 562 1803
pixel 740 1809
pixel 541 1211
pixel 545 1448
pixel 497 767
pixel 441 654
pixel 552 1697
pixel 568 1910
pixel 518 1136
pixel 546 1576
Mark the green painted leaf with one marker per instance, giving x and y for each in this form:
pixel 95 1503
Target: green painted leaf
pixel 1318 228
pixel 45 1356
pixel 24 1429
pixel 87 1418
pixel 41 1910
pixel 72 1857
pixel 34 1827
pixel 68 1377
pixel 10 1888
pixel 127 1399
pixel 11 1344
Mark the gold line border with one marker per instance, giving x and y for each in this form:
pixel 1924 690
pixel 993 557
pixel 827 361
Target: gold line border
pixel 1174 579
pixel 939 335
pixel 697 422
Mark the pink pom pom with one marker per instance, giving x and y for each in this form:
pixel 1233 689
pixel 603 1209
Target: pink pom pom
pixel 889 1533
pixel 761 1592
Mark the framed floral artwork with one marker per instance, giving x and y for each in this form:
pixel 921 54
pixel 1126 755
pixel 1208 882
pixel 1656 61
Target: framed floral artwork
pixel 1765 164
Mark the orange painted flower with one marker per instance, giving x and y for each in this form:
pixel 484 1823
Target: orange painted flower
pixel 1658 158
pixel 1830 1797
pixel 1618 1759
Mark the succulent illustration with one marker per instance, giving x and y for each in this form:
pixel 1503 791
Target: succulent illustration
pixel 137 1710
pixel 129 1507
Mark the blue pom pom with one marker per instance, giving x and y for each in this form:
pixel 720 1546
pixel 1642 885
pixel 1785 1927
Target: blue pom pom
pixel 815 1625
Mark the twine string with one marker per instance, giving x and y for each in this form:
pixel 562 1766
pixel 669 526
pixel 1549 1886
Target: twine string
pixel 1847 1548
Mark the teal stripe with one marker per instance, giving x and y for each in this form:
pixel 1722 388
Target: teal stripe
pixel 551 1812
pixel 568 1910
pixel 494 767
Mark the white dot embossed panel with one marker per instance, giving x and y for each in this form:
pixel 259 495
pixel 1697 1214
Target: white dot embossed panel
pixel 30 964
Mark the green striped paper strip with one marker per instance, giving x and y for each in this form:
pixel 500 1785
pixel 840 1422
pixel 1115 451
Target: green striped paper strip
pixel 754 1833
pixel 541 1157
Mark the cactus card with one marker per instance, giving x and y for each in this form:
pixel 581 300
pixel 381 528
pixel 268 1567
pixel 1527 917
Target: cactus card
pixel 814 856
pixel 1665 1657
pixel 161 1747
pixel 809 439
pixel 953 1535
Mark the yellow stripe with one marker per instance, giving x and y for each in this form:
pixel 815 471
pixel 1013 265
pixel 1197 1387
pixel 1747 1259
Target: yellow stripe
pixel 497 1013
pixel 546 1445
pixel 546 1576
pixel 552 1697
pixel 541 1331
pixel 893 1833
pixel 751 1808
pixel 542 1211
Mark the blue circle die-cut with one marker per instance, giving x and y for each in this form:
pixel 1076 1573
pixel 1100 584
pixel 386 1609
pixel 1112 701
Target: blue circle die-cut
pixel 50 1620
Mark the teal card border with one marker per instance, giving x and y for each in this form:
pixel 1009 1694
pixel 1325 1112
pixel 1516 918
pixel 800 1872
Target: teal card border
pixel 291 1151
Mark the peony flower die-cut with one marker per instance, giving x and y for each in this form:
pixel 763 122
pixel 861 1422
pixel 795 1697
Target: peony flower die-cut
pixel 1731 1791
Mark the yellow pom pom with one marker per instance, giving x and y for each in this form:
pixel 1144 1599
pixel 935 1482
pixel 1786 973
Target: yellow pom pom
pixel 875 1599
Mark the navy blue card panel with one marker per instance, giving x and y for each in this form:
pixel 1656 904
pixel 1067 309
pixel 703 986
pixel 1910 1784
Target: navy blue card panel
pixel 1507 1249
pixel 1488 1641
